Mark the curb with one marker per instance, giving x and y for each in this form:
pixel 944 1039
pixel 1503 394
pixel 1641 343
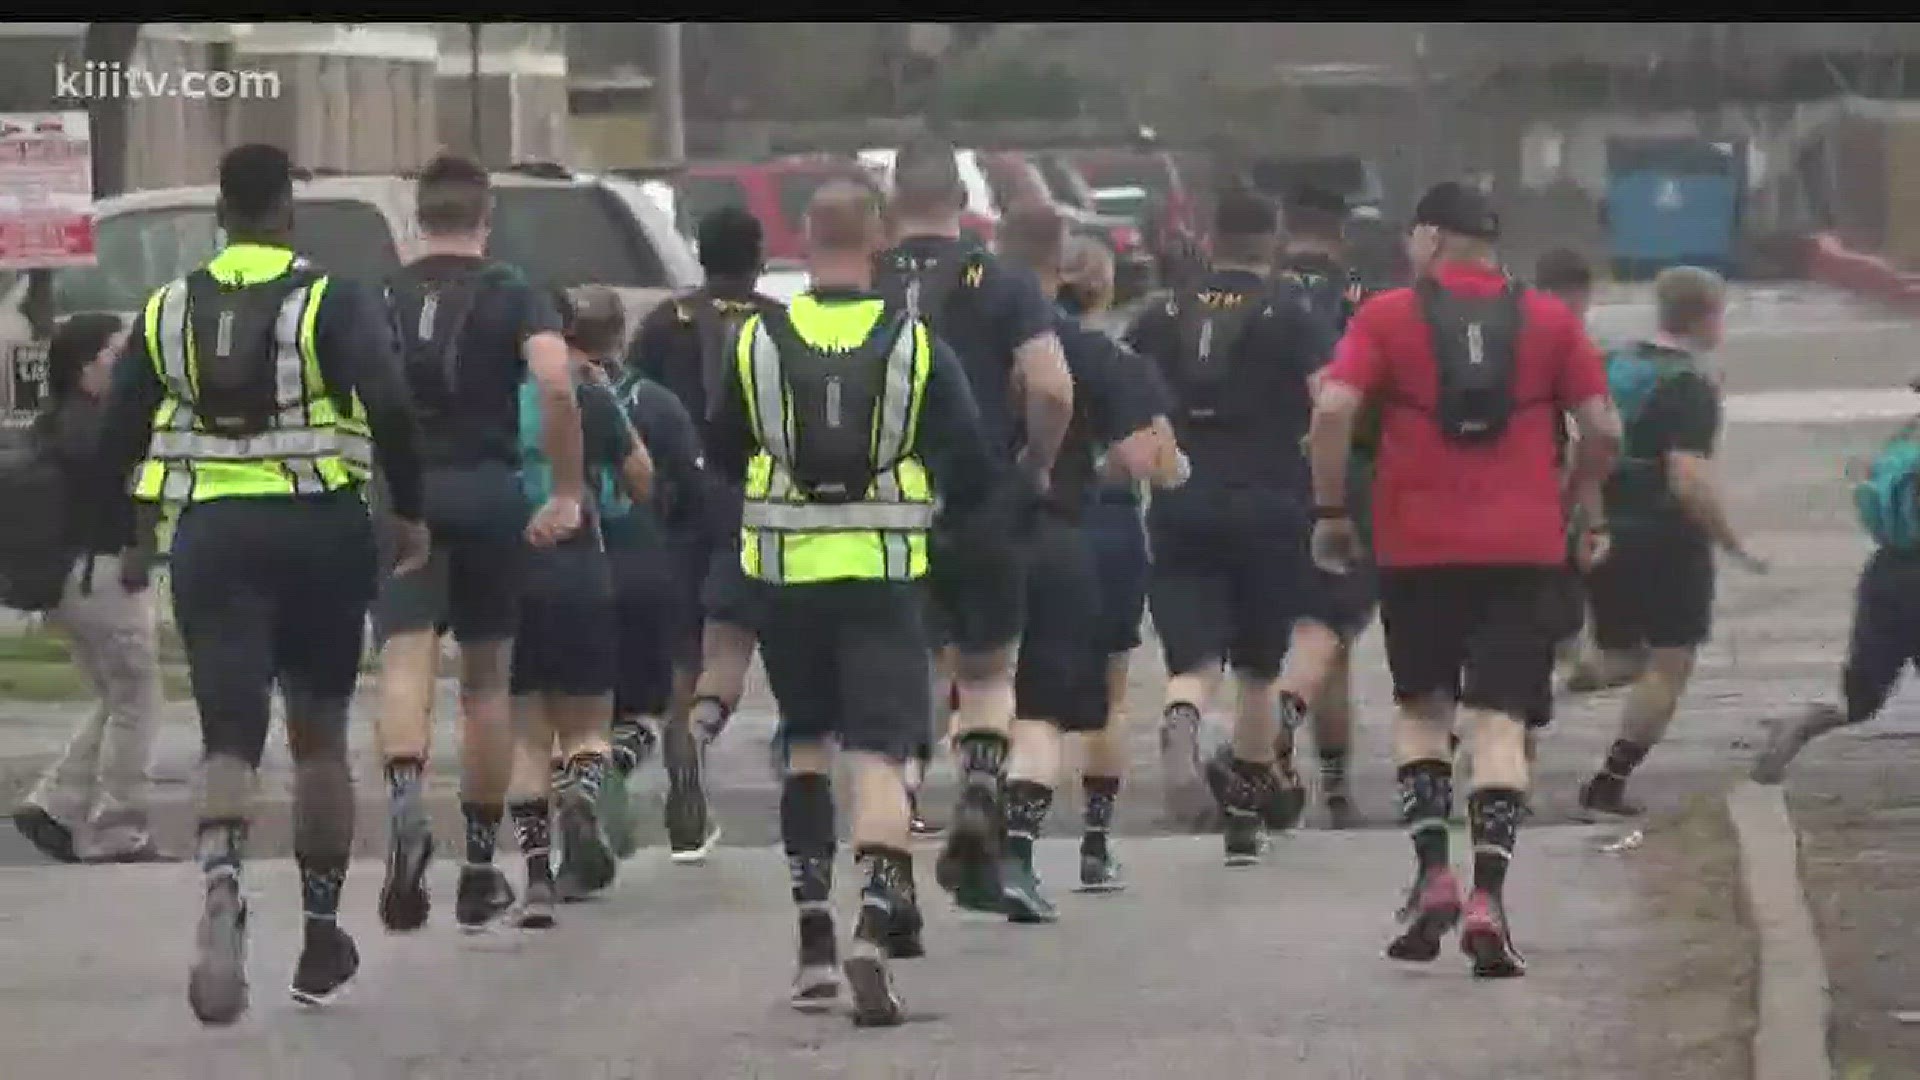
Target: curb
pixel 1790 1033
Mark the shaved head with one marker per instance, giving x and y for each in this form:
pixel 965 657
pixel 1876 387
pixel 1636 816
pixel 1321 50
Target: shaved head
pixel 844 218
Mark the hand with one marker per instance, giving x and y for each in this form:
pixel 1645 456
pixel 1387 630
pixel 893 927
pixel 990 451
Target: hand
pixel 554 522
pixel 596 373
pixel 1592 548
pixel 1748 561
pixel 412 545
pixel 1336 545
pixel 136 572
pixel 1040 480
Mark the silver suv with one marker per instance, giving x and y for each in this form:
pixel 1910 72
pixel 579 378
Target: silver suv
pixel 559 228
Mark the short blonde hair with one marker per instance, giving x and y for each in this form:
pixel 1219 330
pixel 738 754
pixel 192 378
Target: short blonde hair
pixel 1685 298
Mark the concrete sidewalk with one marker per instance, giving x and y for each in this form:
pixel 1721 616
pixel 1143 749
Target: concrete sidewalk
pixel 680 974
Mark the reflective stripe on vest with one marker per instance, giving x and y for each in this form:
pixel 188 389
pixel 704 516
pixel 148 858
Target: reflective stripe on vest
pixel 787 539
pixel 309 448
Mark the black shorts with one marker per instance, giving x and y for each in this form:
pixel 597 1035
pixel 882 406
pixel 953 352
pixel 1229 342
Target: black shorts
pixel 470 586
pixel 977 579
pixel 726 594
pixel 658 619
pixel 1653 590
pixel 1482 635
pixel 848 661
pixel 566 638
pixel 1229 581
pixel 1061 673
pixel 1116 535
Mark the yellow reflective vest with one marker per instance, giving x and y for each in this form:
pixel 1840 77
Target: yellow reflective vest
pixel 785 537
pixel 310 446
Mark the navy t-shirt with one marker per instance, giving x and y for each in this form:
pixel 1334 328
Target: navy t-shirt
pixel 984 321
pixel 1113 397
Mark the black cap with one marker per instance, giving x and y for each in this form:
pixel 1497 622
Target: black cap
pixel 1307 197
pixel 1453 207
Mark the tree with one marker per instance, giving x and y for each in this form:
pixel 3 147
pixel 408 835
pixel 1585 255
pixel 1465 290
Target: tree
pixel 108 115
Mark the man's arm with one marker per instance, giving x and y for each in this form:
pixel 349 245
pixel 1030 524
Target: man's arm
pixel 1339 390
pixel 1691 415
pixel 1595 446
pixel 1042 382
pixel 358 355
pixel 547 361
pixel 612 440
pixel 951 442
pixel 1140 439
pixel 676 450
pixel 730 439
pixel 126 426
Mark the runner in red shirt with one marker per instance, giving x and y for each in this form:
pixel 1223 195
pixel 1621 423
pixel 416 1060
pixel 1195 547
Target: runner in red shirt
pixel 1472 372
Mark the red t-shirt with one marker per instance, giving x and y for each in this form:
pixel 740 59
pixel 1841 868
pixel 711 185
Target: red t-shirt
pixel 1436 503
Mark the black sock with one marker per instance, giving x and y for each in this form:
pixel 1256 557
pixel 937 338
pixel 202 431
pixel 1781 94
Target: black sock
pixel 807 833
pixel 1426 800
pixel 588 771
pixel 1333 770
pixel 222 841
pixel 533 830
pixel 889 878
pixel 983 754
pixel 1622 758
pixel 1493 816
pixel 321 878
pixel 483 831
pixel 1099 794
pixel 1027 806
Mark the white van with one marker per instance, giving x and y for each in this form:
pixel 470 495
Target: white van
pixel 559 228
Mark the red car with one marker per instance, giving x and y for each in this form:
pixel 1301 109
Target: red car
pixel 1176 228
pixel 776 192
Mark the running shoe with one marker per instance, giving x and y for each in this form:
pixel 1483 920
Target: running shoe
pixel 537 907
pixel 1787 739
pixel 691 834
pixel 633 744
pixel 1020 892
pixel 918 825
pixel 969 866
pixel 875 1002
pixel 1604 796
pixel 903 930
pixel 483 897
pixel 45 832
pixel 617 814
pixel 1340 811
pixel 404 901
pixel 1183 776
pixel 217 984
pixel 816 985
pixel 1432 909
pixel 1245 837
pixel 328 960
pixel 590 864
pixel 1286 803
pixel 1484 937
pixel 1100 872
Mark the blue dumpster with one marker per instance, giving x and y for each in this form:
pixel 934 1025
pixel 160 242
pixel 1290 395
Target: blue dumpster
pixel 1671 202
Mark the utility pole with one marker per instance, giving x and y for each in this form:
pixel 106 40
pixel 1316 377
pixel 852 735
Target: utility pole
pixel 474 125
pixel 670 116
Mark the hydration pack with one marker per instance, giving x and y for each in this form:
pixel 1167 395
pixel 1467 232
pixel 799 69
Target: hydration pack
pixel 34 555
pixel 1210 336
pixel 717 328
pixel 233 334
pixel 536 472
pixel 927 290
pixel 831 396
pixel 1888 499
pixel 1475 343
pixel 429 315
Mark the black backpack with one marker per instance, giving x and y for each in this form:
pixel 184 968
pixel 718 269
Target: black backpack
pixel 429 314
pixel 1210 339
pixel 832 396
pixel 34 555
pixel 928 291
pixel 233 334
pixel 717 328
pixel 1475 342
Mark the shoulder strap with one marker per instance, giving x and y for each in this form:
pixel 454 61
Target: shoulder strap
pixel 444 307
pixel 929 292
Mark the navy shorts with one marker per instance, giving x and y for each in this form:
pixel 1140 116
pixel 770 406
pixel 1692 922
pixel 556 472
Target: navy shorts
pixel 1061 673
pixel 566 642
pixel 1116 535
pixel 726 595
pixel 658 618
pixel 847 662
pixel 977 578
pixel 1653 589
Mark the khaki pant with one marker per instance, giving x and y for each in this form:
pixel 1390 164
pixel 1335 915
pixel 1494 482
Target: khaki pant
pixel 97 788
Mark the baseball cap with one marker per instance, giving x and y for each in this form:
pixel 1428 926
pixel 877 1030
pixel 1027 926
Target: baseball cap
pixel 1453 207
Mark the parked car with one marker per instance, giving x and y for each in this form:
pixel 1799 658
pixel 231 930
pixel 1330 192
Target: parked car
pixel 560 228
pixel 1172 218
pixel 1016 178
pixel 979 219
pixel 775 191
